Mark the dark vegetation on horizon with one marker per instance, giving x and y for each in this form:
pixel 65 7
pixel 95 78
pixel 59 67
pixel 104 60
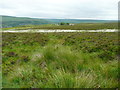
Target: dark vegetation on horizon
pixel 68 26
pixel 81 26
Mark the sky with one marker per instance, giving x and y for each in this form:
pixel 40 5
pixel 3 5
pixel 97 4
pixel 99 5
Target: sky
pixel 61 9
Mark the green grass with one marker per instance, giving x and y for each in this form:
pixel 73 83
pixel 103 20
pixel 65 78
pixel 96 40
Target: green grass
pixel 81 26
pixel 60 60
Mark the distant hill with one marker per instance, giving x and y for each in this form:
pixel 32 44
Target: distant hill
pixel 10 21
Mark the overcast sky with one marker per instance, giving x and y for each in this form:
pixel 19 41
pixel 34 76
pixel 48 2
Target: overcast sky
pixel 79 9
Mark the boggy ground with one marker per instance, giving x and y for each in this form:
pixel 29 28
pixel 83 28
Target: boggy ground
pixel 60 60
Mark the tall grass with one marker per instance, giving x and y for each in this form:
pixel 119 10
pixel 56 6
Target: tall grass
pixel 63 68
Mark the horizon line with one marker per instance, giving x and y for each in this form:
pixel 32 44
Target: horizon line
pixel 59 18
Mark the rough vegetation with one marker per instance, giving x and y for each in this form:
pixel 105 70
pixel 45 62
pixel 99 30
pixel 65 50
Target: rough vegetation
pixel 60 60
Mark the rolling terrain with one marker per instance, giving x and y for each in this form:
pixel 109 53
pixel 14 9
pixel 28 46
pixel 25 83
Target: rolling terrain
pixel 11 21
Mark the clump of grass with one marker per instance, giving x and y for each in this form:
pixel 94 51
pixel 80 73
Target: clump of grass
pixel 62 79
